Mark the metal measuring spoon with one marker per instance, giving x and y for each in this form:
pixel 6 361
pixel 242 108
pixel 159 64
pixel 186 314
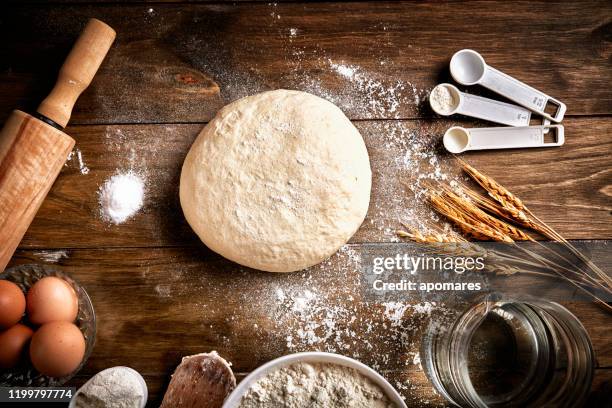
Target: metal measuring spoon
pixel 458 139
pixel 469 68
pixel 479 107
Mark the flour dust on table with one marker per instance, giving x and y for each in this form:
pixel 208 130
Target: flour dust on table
pixel 51 256
pixel 77 156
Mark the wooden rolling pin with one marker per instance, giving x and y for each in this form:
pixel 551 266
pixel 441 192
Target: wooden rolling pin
pixel 33 148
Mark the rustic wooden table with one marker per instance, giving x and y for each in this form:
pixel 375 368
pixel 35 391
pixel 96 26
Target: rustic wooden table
pixel 159 294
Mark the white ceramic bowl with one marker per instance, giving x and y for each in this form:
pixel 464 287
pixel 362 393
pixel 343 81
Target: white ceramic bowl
pixel 234 398
pixel 136 374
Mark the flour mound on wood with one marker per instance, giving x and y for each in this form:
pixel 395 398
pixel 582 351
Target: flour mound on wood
pixel 121 196
pixel 319 385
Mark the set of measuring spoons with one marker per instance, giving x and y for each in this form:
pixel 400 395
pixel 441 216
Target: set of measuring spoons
pixel 467 67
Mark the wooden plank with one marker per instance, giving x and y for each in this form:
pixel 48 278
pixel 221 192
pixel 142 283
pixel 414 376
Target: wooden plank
pixel 601 389
pixel 155 305
pixel 569 187
pixel 180 63
pixel 152 2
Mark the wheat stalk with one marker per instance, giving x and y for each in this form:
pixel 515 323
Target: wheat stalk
pixel 417 236
pixel 476 213
pixel 468 225
pixel 462 246
pixel 510 214
pixel 497 263
pixel 455 244
pixel 482 218
pixel 498 192
pixel 521 218
pixel 510 205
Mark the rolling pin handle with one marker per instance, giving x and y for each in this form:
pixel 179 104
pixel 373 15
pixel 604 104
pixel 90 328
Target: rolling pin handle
pixel 78 70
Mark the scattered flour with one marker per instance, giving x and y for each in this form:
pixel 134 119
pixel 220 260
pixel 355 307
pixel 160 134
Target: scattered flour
pixel 163 290
pixel 84 169
pixel 275 16
pixel 416 359
pixel 51 256
pixel 344 70
pixel 381 98
pixel 117 387
pixel 318 385
pixel 425 307
pixel 76 153
pixel 394 311
pixel 121 196
pixel 411 162
pixel 320 308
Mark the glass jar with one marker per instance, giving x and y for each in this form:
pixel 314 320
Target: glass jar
pixel 505 352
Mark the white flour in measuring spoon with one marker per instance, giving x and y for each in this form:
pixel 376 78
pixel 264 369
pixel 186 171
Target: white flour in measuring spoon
pixel 443 100
pixel 319 385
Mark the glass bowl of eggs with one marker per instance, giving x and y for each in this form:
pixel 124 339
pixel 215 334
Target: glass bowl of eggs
pixel 47 327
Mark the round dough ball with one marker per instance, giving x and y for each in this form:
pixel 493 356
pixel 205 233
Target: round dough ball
pixel 277 181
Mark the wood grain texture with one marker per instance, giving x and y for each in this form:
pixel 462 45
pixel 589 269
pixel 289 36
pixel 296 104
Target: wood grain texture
pixel 156 305
pixel 32 153
pixel 569 187
pixel 77 72
pixel 180 63
pixel 159 294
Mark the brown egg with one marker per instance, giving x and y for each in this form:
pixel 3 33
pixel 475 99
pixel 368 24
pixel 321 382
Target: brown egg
pixel 13 342
pixel 57 348
pixel 52 299
pixel 12 304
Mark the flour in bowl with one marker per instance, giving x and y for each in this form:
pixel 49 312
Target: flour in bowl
pixel 318 385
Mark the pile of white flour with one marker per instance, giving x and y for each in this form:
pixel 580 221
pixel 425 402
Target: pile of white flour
pixel 320 385
pixel 121 196
pixel 115 388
